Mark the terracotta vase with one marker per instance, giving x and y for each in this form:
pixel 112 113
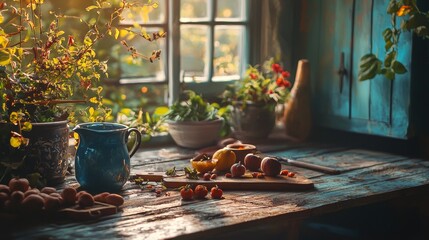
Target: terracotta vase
pixel 297 114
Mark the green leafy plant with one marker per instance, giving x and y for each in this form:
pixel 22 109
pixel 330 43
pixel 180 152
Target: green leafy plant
pixel 194 108
pixel 269 85
pixel 412 20
pixel 46 69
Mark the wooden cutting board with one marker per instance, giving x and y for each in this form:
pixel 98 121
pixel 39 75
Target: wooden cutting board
pixel 246 182
pixel 98 210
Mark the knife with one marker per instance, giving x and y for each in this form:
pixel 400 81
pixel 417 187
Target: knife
pixel 310 166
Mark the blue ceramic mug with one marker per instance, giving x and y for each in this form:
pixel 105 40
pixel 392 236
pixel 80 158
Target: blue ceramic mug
pixel 102 161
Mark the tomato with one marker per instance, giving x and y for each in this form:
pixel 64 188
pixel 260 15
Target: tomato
pixel 200 192
pixel 216 192
pixel 186 193
pixel 284 172
pixel 291 174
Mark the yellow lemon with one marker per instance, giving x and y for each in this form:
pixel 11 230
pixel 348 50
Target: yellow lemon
pixel 226 158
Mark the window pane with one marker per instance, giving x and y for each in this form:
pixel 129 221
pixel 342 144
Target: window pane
pixel 228 10
pixel 146 14
pixel 193 52
pixel 122 65
pixel 193 10
pixel 228 41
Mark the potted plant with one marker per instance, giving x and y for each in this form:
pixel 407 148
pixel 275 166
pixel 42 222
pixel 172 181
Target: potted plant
pixel 44 71
pixel 193 122
pixel 253 100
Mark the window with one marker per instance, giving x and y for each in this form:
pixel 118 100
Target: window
pixel 205 48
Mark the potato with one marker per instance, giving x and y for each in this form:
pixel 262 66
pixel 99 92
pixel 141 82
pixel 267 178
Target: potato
pixel 115 199
pixel 17 197
pixel 33 203
pixel 101 197
pixel 85 200
pixel 69 195
pixel 52 204
pixel 31 191
pixel 3 198
pixel 4 188
pixel 19 184
pixel 48 190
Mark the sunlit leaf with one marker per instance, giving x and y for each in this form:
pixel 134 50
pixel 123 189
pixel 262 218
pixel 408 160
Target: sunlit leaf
pixel 15 142
pixel 160 110
pixel 93 100
pixel 89 8
pixel 116 33
pixel 403 10
pixel 91 111
pixel 14 118
pixel 4 58
pixel 27 126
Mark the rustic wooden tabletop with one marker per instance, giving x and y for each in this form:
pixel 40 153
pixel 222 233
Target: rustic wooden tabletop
pixel 366 177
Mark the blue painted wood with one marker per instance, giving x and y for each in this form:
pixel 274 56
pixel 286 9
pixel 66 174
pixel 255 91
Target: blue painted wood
pixel 362 36
pixel 335 39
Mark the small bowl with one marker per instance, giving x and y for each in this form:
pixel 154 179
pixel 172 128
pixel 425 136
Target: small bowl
pixel 241 150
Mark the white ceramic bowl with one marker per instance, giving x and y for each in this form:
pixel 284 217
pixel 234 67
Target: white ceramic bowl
pixel 193 134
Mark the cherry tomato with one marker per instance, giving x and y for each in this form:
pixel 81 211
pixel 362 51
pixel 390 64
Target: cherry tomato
pixel 200 192
pixel 254 174
pixel 216 192
pixel 284 172
pixel 206 176
pixel 186 193
pixel 291 174
pixel 228 175
pixel 213 176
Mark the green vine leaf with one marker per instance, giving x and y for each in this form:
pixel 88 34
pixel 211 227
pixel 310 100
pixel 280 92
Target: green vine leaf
pixel 368 67
pixel 398 67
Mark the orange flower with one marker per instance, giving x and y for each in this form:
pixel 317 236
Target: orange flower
pixel 404 10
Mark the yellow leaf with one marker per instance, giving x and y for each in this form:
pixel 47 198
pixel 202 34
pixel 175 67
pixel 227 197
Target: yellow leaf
pixel 3 41
pixel 161 111
pixel 27 126
pixel 93 100
pixel 91 111
pixel 59 33
pixel 404 10
pixel 155 5
pixel 4 58
pixel 76 136
pixel 91 7
pixel 15 142
pixel 1 18
pixel 14 118
pixel 116 33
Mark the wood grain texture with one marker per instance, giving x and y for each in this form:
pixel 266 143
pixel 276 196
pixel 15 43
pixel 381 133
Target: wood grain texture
pixel 370 177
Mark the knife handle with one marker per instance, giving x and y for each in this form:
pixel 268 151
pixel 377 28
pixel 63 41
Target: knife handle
pixel 315 167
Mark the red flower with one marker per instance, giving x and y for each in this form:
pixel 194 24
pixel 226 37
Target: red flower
pixel 287 84
pixel 279 81
pixel 270 92
pixel 253 76
pixel 286 74
pixel 70 41
pixel 276 68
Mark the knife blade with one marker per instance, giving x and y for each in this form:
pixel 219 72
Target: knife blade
pixel 310 166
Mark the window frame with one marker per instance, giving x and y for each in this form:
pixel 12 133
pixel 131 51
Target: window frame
pixel 171 54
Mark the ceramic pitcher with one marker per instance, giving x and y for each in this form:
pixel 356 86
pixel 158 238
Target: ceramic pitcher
pixel 102 161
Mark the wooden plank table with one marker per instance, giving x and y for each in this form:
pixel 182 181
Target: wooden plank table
pixel 367 177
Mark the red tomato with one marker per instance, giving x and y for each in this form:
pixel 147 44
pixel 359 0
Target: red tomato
pixel 284 172
pixel 186 193
pixel 216 192
pixel 200 192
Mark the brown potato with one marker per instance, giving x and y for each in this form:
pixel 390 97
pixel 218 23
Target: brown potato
pixel 19 184
pixel 31 191
pixel 3 198
pixel 33 203
pixel 52 204
pixel 69 195
pixel 85 200
pixel 17 197
pixel 101 197
pixel 48 190
pixel 115 199
pixel 4 188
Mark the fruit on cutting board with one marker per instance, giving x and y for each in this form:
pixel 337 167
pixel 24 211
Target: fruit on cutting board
pixel 203 163
pixel 271 166
pixel 252 162
pixel 238 170
pixel 226 158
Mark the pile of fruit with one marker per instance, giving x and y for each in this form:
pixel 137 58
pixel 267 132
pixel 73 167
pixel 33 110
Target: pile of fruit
pixel 19 197
pixel 224 161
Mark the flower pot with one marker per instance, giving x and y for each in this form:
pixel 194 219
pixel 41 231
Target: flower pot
pixel 195 134
pixel 250 122
pixel 45 154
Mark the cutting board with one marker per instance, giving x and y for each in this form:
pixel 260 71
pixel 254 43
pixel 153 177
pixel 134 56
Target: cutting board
pixel 246 182
pixel 98 210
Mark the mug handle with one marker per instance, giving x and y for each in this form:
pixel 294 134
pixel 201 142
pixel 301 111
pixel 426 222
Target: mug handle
pixel 136 143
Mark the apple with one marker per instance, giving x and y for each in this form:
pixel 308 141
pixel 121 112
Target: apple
pixel 238 170
pixel 252 162
pixel 271 166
